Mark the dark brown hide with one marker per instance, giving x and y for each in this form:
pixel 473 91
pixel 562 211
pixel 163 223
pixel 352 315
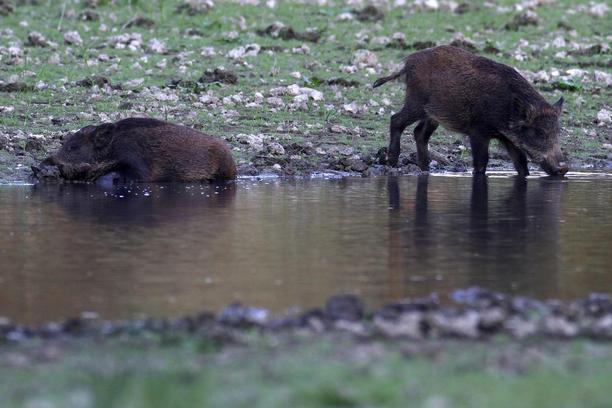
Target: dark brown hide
pixel 478 97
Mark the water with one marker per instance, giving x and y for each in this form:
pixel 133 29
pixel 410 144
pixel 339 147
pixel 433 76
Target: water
pixel 171 250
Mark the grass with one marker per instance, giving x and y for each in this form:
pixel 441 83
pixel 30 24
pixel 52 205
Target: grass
pixel 307 372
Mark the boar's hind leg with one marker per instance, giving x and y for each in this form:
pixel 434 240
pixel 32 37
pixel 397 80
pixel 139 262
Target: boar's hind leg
pixel 399 121
pixel 422 133
pixel 519 159
pixel 480 153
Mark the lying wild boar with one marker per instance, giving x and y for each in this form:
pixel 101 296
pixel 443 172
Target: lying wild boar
pixel 478 97
pixel 140 149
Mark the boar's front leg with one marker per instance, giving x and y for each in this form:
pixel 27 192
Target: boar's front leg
pixel 422 133
pixel 518 157
pixel 480 152
pixel 399 121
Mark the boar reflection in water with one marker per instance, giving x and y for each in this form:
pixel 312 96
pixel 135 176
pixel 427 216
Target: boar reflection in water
pixel 142 204
pixel 478 97
pixel 505 236
pixel 140 149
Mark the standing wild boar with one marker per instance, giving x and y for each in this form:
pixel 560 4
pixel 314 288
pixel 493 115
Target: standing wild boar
pixel 478 97
pixel 140 149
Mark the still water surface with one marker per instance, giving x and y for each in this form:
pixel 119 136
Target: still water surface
pixel 170 250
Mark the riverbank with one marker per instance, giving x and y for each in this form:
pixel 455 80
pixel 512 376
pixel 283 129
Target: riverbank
pixel 291 95
pixel 482 349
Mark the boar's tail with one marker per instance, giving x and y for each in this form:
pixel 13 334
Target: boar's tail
pixel 384 80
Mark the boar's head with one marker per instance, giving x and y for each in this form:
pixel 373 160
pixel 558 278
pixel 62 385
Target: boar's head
pixel 536 130
pixel 87 145
pixel 78 155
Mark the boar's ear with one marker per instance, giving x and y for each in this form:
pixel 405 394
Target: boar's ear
pixel 558 106
pixel 103 135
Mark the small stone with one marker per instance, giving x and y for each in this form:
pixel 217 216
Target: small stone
pixel 525 18
pixel 73 38
pixel 156 46
pixel 344 307
pixel 408 324
pixel 276 102
pixel 604 117
pixel 36 39
pixel 560 326
pixel 364 58
pixel 275 149
pixel 430 5
pixel 598 9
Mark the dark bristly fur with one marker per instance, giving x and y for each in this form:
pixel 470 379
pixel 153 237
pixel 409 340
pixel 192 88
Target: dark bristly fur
pixel 143 149
pixel 478 97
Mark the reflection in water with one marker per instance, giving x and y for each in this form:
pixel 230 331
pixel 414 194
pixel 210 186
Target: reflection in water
pixel 171 249
pixel 507 241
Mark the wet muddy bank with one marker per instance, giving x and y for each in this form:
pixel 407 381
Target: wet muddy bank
pixel 471 314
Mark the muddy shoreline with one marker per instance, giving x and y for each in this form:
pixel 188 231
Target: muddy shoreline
pixel 16 168
pixel 471 314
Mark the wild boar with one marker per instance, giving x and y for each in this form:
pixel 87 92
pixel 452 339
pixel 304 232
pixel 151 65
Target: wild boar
pixel 140 149
pixel 478 97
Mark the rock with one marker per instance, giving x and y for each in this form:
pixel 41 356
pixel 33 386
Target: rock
pixel 594 49
pixel 139 21
pixel 193 7
pixel 73 38
pixel 16 87
pixel 342 82
pixel 279 30
pixel 602 327
pixel 604 117
pixel 477 297
pixel 156 46
pixel 276 102
pixel 559 327
pixel 369 13
pixel 344 307
pixel 34 144
pixel 275 149
pixel 520 327
pixel 352 108
pixel 133 83
pixel 598 9
pixel 430 5
pixel 492 319
pixel 242 316
pixel 132 41
pixel 302 49
pixel 36 39
pixel 526 18
pixel 603 78
pixel 357 165
pixel 250 50
pixel 463 8
pixel 364 58
pixel 219 75
pixel 421 45
pixel 89 15
pixel 254 142
pixel 410 324
pixel 460 41
pixel 337 129
pixel 313 320
pixel 6 7
pixel 96 80
pixel 463 325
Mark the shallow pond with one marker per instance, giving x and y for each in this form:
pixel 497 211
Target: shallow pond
pixel 170 250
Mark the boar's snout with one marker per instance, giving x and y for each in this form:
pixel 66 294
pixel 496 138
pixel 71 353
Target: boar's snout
pixel 554 164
